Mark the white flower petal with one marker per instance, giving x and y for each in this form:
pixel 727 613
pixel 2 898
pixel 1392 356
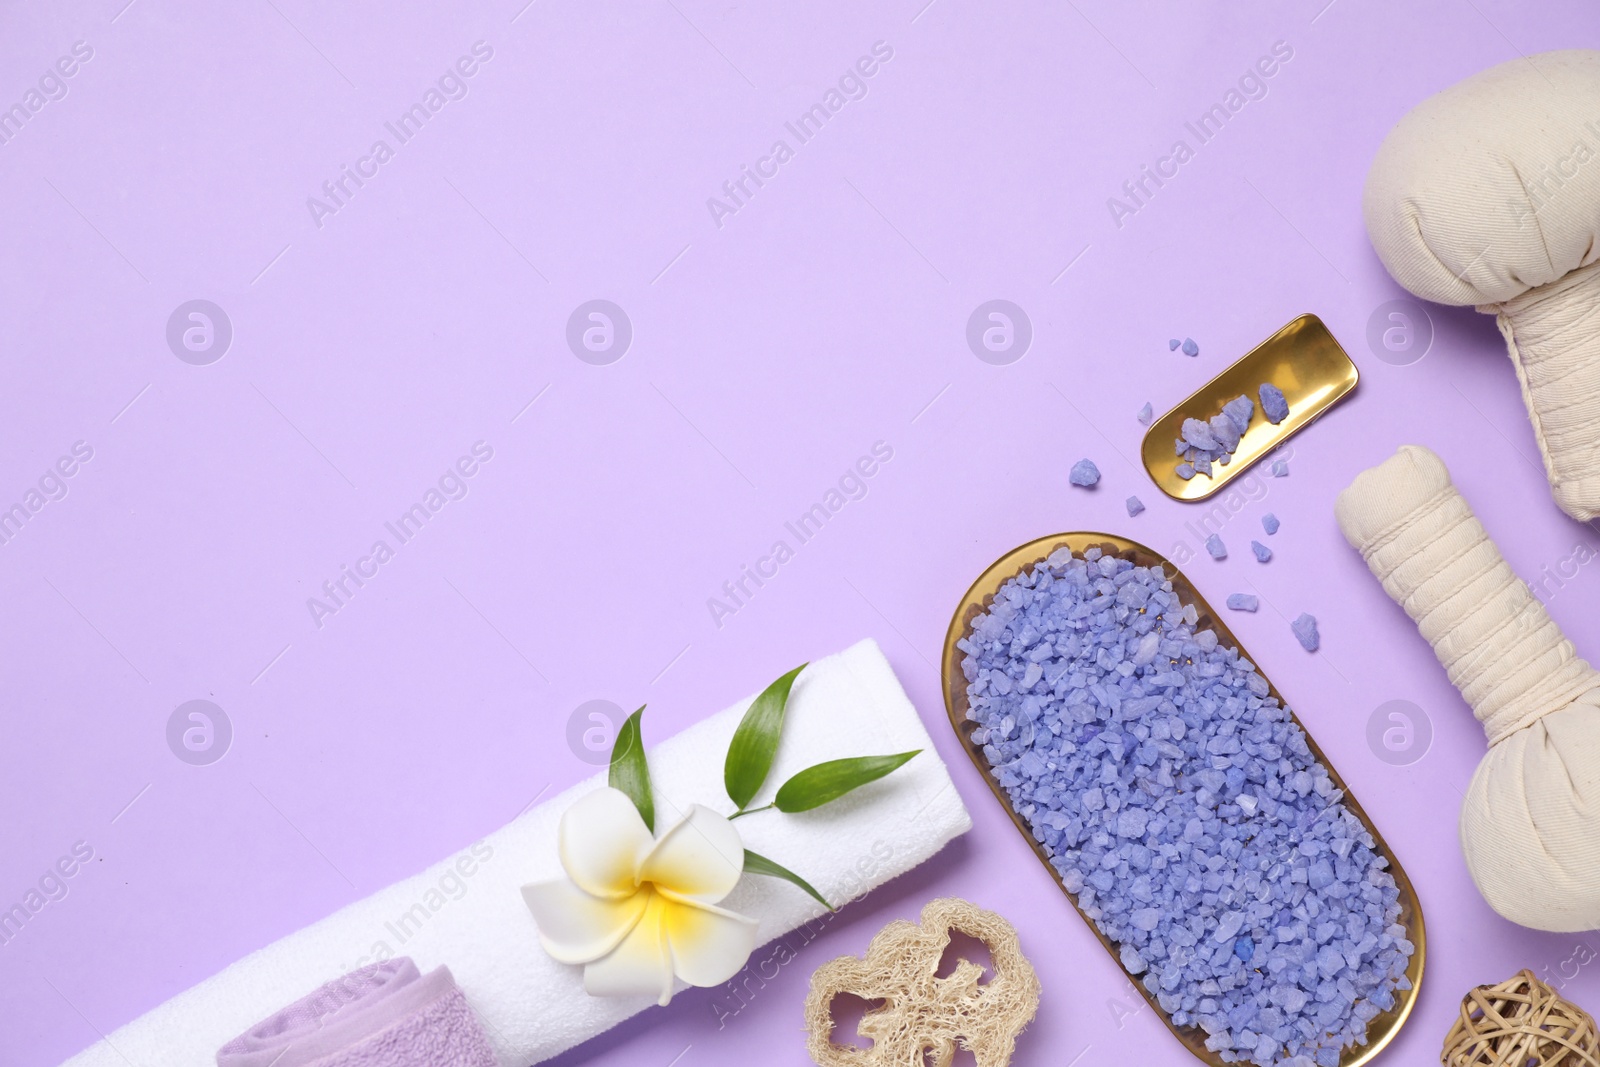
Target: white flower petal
pixel 700 859
pixel 600 841
pixel 576 927
pixel 708 944
pixel 640 965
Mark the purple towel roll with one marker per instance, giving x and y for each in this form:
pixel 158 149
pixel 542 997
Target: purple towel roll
pixel 385 1015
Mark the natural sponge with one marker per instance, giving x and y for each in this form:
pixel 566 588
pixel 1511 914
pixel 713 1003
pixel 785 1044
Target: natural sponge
pixel 1489 194
pixel 1530 826
pixel 923 1016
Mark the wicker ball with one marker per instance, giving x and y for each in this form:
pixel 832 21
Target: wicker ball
pixel 1518 1023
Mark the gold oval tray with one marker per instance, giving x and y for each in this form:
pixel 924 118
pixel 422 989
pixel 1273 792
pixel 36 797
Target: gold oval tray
pixel 1302 359
pixel 1382 1029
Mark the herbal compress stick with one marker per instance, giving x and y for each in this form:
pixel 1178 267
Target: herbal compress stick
pixel 1489 194
pixel 1530 826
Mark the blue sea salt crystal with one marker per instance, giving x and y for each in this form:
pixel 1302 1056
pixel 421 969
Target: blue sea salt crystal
pixel 1189 347
pixel 1269 523
pixel 1198 434
pixel 1243 602
pixel 1146 413
pixel 1184 471
pixel 1320 877
pixel 1280 468
pixel 1226 433
pixel 1084 473
pixel 1181 806
pixel 1214 440
pixel 1273 404
pixel 1135 505
pixel 1215 546
pixel 1305 631
pixel 1241 409
pixel 1228 926
pixel 1172 345
pixel 1263 553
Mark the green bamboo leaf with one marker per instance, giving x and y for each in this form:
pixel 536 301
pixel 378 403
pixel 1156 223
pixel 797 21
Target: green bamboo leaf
pixel 758 864
pixel 755 742
pixel 629 770
pixel 816 786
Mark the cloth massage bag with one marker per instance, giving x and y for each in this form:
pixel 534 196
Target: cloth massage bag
pixel 1489 194
pixel 1530 824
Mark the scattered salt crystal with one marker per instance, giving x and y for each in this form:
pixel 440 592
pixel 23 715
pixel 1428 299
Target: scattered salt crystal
pixel 1273 404
pixel 1305 631
pixel 1085 473
pixel 1135 505
pixel 1215 546
pixel 1269 523
pixel 1263 553
pixel 1172 345
pixel 1189 347
pixel 1226 433
pixel 1241 409
pixel 1199 435
pixel 1214 440
pixel 1146 413
pixel 1280 468
pixel 1243 602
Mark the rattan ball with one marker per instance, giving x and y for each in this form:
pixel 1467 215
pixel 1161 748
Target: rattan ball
pixel 1518 1023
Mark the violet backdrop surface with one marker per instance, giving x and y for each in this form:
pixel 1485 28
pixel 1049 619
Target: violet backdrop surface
pixel 774 341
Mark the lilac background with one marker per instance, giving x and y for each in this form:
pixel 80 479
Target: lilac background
pixel 768 355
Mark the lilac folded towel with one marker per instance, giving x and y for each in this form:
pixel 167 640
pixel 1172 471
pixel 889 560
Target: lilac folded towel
pixel 385 1015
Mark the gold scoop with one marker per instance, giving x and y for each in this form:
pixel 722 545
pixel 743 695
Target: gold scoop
pixel 1302 359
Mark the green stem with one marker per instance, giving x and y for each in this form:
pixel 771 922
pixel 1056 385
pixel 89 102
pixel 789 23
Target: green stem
pixel 750 811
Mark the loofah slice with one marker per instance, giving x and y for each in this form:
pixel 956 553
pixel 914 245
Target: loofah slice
pixel 1520 1021
pixel 923 1016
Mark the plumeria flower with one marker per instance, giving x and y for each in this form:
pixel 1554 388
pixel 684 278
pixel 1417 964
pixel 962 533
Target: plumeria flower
pixel 634 910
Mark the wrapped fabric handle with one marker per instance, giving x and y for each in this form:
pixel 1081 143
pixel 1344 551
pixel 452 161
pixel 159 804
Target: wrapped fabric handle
pixel 1500 647
pixel 1553 336
pixel 1530 824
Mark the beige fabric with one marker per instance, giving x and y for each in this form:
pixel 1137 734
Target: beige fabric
pixel 1530 826
pixel 1489 194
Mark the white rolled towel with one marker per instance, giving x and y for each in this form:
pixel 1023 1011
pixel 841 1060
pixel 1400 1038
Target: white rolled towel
pixel 1488 194
pixel 1530 825
pixel 467 912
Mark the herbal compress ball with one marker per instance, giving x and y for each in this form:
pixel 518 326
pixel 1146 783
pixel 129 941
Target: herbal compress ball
pixel 1184 810
pixel 1489 194
pixel 1530 827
